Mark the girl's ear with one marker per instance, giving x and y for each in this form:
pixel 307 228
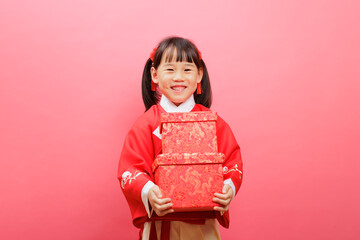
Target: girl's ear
pixel 154 76
pixel 200 75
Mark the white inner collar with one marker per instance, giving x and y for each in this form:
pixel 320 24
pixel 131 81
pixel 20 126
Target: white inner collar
pixel 170 107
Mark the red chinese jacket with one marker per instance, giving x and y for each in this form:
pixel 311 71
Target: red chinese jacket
pixel 141 147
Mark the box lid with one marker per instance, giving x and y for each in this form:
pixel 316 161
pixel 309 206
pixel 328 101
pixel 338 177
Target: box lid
pixel 187 159
pixel 200 116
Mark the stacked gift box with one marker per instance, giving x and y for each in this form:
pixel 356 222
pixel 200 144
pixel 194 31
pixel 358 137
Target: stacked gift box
pixel 189 170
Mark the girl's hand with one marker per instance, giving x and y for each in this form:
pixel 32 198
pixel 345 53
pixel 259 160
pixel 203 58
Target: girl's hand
pixel 223 199
pixel 160 205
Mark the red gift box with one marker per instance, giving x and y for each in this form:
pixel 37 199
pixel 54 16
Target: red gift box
pixel 189 171
pixel 190 180
pixel 189 132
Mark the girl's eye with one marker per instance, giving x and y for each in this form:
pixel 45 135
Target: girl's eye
pixel 169 69
pixel 187 70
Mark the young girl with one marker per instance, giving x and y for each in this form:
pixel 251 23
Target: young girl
pixel 175 79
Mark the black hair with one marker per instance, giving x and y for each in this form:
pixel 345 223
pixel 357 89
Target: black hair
pixel 184 49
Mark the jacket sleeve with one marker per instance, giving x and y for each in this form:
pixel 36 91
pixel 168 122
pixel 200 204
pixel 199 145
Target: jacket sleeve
pixel 233 166
pixel 135 168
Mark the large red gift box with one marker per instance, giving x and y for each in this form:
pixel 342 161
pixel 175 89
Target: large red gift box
pixel 189 171
pixel 190 180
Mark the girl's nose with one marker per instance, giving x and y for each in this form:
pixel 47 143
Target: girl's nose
pixel 178 76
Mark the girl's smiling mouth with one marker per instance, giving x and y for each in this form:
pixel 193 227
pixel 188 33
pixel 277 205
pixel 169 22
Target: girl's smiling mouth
pixel 178 88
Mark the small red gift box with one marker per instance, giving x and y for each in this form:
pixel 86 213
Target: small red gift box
pixel 189 132
pixel 190 180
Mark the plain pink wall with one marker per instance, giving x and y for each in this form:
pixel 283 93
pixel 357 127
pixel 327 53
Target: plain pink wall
pixel 285 76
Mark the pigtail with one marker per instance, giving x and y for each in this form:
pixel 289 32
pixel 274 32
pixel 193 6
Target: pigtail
pixel 205 98
pixel 149 97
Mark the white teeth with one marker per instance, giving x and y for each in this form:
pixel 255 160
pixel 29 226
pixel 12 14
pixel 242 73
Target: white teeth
pixel 178 89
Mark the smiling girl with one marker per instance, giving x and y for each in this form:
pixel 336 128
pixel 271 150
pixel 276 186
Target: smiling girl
pixel 175 79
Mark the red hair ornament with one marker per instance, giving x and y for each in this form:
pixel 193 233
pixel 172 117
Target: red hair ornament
pixel 152 54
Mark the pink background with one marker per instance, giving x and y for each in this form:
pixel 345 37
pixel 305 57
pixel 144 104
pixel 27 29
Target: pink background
pixel 285 76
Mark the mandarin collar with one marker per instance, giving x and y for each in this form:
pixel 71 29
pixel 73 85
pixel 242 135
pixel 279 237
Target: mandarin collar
pixel 170 107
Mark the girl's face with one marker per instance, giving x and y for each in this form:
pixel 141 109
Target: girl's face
pixel 176 80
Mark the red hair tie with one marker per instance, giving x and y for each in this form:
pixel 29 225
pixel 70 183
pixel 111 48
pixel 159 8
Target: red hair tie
pixel 152 54
pixel 199 54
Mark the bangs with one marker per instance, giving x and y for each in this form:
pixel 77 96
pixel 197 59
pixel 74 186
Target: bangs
pixel 179 54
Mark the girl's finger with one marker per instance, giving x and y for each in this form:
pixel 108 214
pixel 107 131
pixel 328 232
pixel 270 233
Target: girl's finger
pixel 164 201
pixel 222 196
pixel 163 207
pixel 221 209
pixel 162 213
pixel 161 201
pixel 221 201
pixel 168 211
pixel 219 195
